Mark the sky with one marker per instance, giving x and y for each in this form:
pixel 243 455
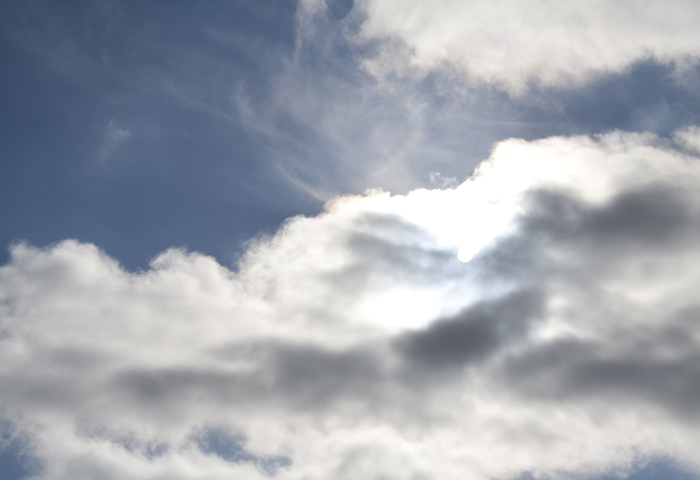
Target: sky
pixel 337 239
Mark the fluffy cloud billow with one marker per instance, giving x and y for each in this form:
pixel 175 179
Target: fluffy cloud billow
pixel 511 44
pixel 357 344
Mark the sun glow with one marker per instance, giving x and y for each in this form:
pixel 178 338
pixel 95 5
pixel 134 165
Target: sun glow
pixel 465 255
pixel 402 309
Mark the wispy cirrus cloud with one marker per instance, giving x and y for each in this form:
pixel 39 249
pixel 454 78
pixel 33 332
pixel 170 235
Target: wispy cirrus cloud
pixel 114 137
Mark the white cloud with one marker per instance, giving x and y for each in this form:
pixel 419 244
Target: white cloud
pixel 509 43
pixel 355 344
pixel 689 138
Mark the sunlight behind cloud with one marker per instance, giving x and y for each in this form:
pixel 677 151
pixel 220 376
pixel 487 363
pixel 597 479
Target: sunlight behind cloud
pixel 394 243
pixel 365 312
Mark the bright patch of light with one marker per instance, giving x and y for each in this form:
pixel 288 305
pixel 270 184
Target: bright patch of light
pixel 402 309
pixel 464 255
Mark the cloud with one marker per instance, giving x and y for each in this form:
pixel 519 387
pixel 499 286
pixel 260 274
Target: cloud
pixel 473 333
pixel 511 44
pixel 688 137
pixel 114 137
pixel 356 344
pixel 345 129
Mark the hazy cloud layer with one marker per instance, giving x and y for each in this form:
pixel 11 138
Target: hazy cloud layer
pixel 511 44
pixel 356 344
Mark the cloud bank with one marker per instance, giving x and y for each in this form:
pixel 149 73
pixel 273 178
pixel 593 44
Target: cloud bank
pixel 510 44
pixel 357 344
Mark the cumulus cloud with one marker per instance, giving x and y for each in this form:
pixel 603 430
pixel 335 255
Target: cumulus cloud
pixel 689 138
pixel 357 344
pixel 510 43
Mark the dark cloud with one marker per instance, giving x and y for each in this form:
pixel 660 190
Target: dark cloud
pixel 473 334
pixel 303 377
pixel 628 371
pixel 312 377
pixel 656 216
pixel 561 237
pixel 640 356
pixel 651 356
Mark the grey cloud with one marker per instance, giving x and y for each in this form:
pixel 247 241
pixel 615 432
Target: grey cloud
pixel 473 334
pixel 620 373
pixel 649 219
pixel 168 393
pixel 312 377
pixel 654 216
pixel 75 358
pixel 384 379
pixel 638 356
pixel 304 377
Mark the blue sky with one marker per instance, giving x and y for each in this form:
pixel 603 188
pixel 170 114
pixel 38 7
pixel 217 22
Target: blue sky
pixel 183 172
pixel 332 239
